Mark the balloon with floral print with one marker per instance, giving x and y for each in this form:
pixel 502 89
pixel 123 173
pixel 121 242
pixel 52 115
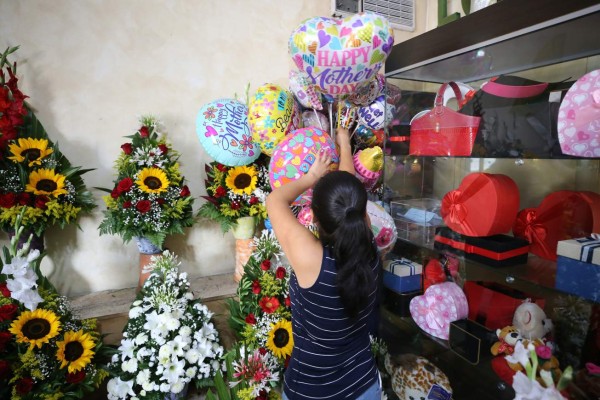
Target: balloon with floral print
pixel 223 130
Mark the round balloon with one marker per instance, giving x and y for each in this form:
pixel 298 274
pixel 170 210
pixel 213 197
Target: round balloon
pixel 303 88
pixel 373 115
pixel 222 127
pixel 340 55
pixel 368 92
pixel 294 155
pixel 272 114
pixel 383 227
pixel 367 137
pixel 313 118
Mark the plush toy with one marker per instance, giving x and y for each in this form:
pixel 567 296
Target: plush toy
pixel 531 321
pixel 507 339
pixel 413 376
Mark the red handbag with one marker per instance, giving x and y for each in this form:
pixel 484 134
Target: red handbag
pixel 443 131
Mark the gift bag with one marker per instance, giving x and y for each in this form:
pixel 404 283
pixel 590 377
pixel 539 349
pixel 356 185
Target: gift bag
pixel 443 131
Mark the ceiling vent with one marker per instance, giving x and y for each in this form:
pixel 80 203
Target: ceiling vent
pixel 399 13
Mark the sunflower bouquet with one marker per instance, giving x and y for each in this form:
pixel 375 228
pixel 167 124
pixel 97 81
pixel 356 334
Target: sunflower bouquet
pixel 169 341
pixel 234 192
pixel 46 352
pixel 35 177
pixel 261 315
pixel 149 198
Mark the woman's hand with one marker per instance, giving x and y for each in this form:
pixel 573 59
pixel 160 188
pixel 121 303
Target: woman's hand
pixel 321 165
pixel 342 138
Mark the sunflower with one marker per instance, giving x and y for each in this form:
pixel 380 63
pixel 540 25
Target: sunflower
pixel 30 150
pixel 242 179
pixel 281 341
pixel 46 182
pixel 75 350
pixel 152 180
pixel 35 327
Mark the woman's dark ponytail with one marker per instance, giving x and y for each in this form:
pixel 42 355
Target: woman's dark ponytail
pixel 339 205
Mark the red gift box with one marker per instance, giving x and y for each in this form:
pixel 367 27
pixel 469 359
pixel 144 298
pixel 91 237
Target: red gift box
pixel 483 205
pixel 561 215
pixel 493 305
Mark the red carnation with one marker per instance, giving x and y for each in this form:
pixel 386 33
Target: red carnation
pixel 265 265
pixel 288 301
pixel 124 185
pixel 40 202
pixel 8 200
pixel 161 201
pixel 115 193
pixel 269 304
pixel 220 192
pixel 4 339
pixel 235 205
pixel 221 167
pixel 250 319
pixel 24 198
pixel 4 289
pixel 280 272
pixel 185 191
pixel 126 204
pixel 144 132
pixel 256 287
pixel 253 200
pixel 163 148
pixel 75 377
pixel 4 369
pixel 143 206
pixel 24 386
pixel 8 312
pixel 127 148
pixel 262 351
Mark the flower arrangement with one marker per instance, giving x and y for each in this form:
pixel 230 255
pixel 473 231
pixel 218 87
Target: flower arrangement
pixel 149 198
pixel 45 351
pixel 235 192
pixel 35 177
pixel 169 341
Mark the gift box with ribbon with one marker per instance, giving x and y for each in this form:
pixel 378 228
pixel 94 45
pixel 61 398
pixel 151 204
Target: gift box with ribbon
pixel 495 250
pixel 561 215
pixel 483 205
pixel 402 275
pixel 578 266
pixel 585 249
pixel 440 305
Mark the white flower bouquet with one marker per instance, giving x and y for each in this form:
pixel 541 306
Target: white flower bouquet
pixel 169 341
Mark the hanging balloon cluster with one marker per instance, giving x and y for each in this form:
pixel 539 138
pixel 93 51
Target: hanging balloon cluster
pixel 337 84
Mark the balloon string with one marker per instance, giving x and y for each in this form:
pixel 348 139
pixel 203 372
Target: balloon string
pixel 318 119
pixel 331 132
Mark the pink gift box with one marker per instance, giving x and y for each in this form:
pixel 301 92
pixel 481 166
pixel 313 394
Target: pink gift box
pixel 440 305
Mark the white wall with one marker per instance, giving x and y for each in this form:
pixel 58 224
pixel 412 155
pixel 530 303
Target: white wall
pixel 92 67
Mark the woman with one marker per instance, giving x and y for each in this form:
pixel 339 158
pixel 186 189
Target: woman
pixel 333 289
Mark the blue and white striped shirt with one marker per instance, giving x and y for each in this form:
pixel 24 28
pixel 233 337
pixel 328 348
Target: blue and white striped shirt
pixel 332 357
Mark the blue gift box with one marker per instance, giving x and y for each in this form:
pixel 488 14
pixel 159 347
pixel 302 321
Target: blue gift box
pixel 578 277
pixel 402 275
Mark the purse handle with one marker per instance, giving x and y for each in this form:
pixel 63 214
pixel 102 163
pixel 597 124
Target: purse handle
pixel 439 98
pixel 513 92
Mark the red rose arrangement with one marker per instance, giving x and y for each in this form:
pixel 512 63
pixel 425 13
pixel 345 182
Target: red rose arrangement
pixel 149 197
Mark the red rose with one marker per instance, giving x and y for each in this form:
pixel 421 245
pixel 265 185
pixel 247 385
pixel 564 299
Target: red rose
pixel 221 167
pixel 262 351
pixel 4 369
pixel 24 385
pixel 262 395
pixel 8 200
pixel 280 273
pixel 24 198
pixel 127 148
pixel 288 301
pixel 8 312
pixel 220 192
pixel 126 204
pixel 75 377
pixel 256 287
pixel 235 205
pixel 4 289
pixel 124 185
pixel 161 201
pixel 144 132
pixel 269 304
pixel 4 339
pixel 185 191
pixel 253 200
pixel 115 193
pixel 143 206
pixel 40 202
pixel 163 148
pixel 250 319
pixel 265 265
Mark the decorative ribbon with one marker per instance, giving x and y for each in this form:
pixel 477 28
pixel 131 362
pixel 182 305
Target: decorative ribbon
pixel 469 248
pixel 589 246
pixel 400 263
pixel 432 316
pixel 453 209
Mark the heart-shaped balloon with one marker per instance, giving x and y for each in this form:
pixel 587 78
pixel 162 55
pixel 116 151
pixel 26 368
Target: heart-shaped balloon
pixel 341 54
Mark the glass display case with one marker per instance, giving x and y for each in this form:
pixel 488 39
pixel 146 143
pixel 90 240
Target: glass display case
pixel 546 41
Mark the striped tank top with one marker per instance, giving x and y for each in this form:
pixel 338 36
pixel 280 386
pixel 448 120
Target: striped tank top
pixel 332 356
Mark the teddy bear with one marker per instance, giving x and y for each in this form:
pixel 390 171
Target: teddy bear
pixel 507 339
pixel 413 376
pixel 531 321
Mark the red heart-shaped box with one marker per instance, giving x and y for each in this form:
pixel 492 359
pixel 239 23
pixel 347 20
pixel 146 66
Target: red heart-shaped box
pixel 483 205
pixel 562 215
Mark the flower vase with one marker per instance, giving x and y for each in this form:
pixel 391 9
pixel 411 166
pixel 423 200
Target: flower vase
pixel 37 241
pixel 243 232
pixel 147 250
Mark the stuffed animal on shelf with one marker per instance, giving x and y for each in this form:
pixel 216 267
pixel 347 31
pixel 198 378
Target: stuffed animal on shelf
pixel 531 321
pixel 414 376
pixel 507 339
